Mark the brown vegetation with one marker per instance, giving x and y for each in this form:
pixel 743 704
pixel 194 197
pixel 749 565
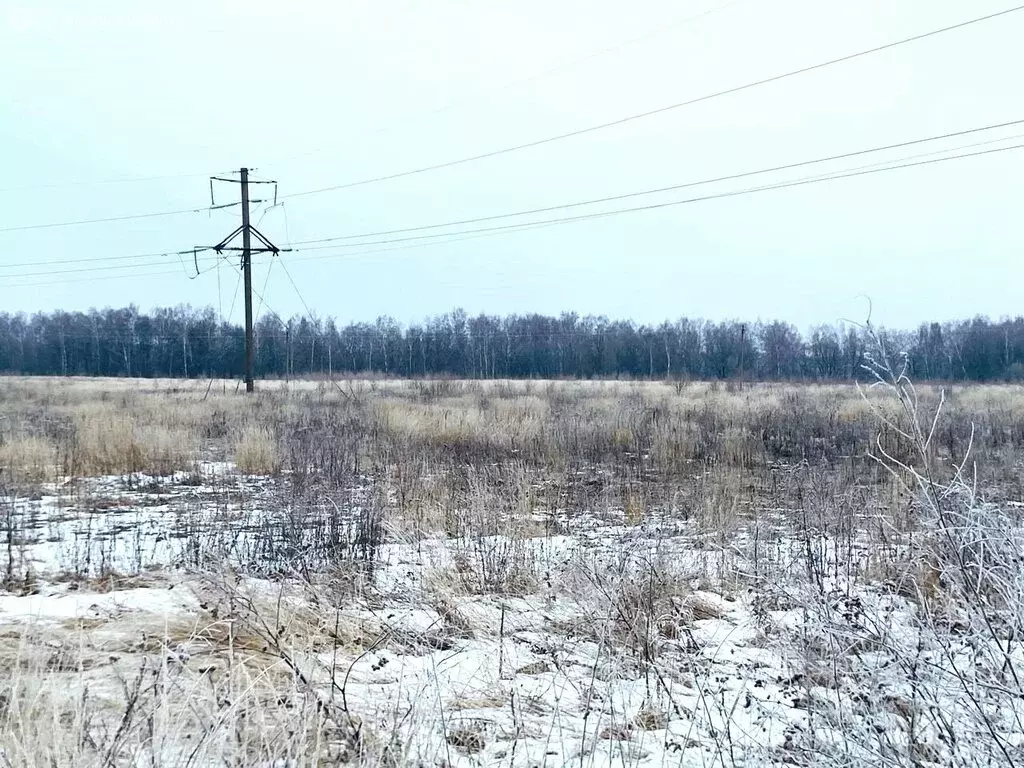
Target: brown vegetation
pixel 685 503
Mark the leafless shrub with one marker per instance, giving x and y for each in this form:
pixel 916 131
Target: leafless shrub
pixel 945 645
pixel 638 600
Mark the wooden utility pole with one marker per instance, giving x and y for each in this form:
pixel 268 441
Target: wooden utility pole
pixel 247 278
pixel 246 230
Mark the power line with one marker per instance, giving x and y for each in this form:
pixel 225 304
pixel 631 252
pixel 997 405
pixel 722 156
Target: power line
pixel 6 284
pixel 453 237
pixel 296 289
pixel 54 224
pixel 450 237
pixel 469 234
pixel 614 48
pixel 443 238
pixel 107 268
pixel 234 299
pixel 526 225
pixel 269 308
pixel 626 43
pixel 125 257
pixel 732 193
pixel 266 281
pixel 661 110
pixel 99 182
pixel 674 187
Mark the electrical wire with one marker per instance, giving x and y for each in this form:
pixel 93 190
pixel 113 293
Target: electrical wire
pixel 298 293
pixel 654 206
pixel 660 110
pixel 287 229
pixel 624 44
pixel 54 224
pixel 87 259
pixel 110 267
pixel 614 48
pixel 671 188
pixel 266 281
pixel 270 309
pixel 309 312
pixel 220 296
pixel 234 298
pixel 545 209
pixel 308 245
pixel 505 150
pixel 454 236
pixel 4 284
pixel 471 234
pixel 264 213
pixel 99 182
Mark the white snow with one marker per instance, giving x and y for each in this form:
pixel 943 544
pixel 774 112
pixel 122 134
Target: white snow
pixel 734 658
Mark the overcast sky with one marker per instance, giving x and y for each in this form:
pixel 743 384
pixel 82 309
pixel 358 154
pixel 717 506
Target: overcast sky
pixel 316 94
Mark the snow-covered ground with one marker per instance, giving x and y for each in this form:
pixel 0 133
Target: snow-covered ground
pixel 95 526
pixel 608 643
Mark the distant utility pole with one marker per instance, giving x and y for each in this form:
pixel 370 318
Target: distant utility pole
pixel 247 278
pixel 246 231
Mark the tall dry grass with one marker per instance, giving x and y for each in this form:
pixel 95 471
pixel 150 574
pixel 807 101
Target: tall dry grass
pixel 702 449
pixel 768 489
pixel 255 451
pixel 28 459
pixel 537 421
pixel 194 690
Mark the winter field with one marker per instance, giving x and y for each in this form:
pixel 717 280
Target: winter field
pixel 510 573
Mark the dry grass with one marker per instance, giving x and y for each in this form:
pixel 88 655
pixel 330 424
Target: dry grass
pixel 122 425
pixel 498 456
pixel 255 451
pixel 180 698
pixel 109 441
pixel 29 459
pixel 483 509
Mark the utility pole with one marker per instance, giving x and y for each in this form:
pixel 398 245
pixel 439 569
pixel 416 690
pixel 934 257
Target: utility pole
pixel 743 340
pixel 265 246
pixel 250 384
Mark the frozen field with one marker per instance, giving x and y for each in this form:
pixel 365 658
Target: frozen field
pixel 432 574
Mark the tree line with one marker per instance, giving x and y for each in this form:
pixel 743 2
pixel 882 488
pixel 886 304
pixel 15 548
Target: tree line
pixel 191 342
